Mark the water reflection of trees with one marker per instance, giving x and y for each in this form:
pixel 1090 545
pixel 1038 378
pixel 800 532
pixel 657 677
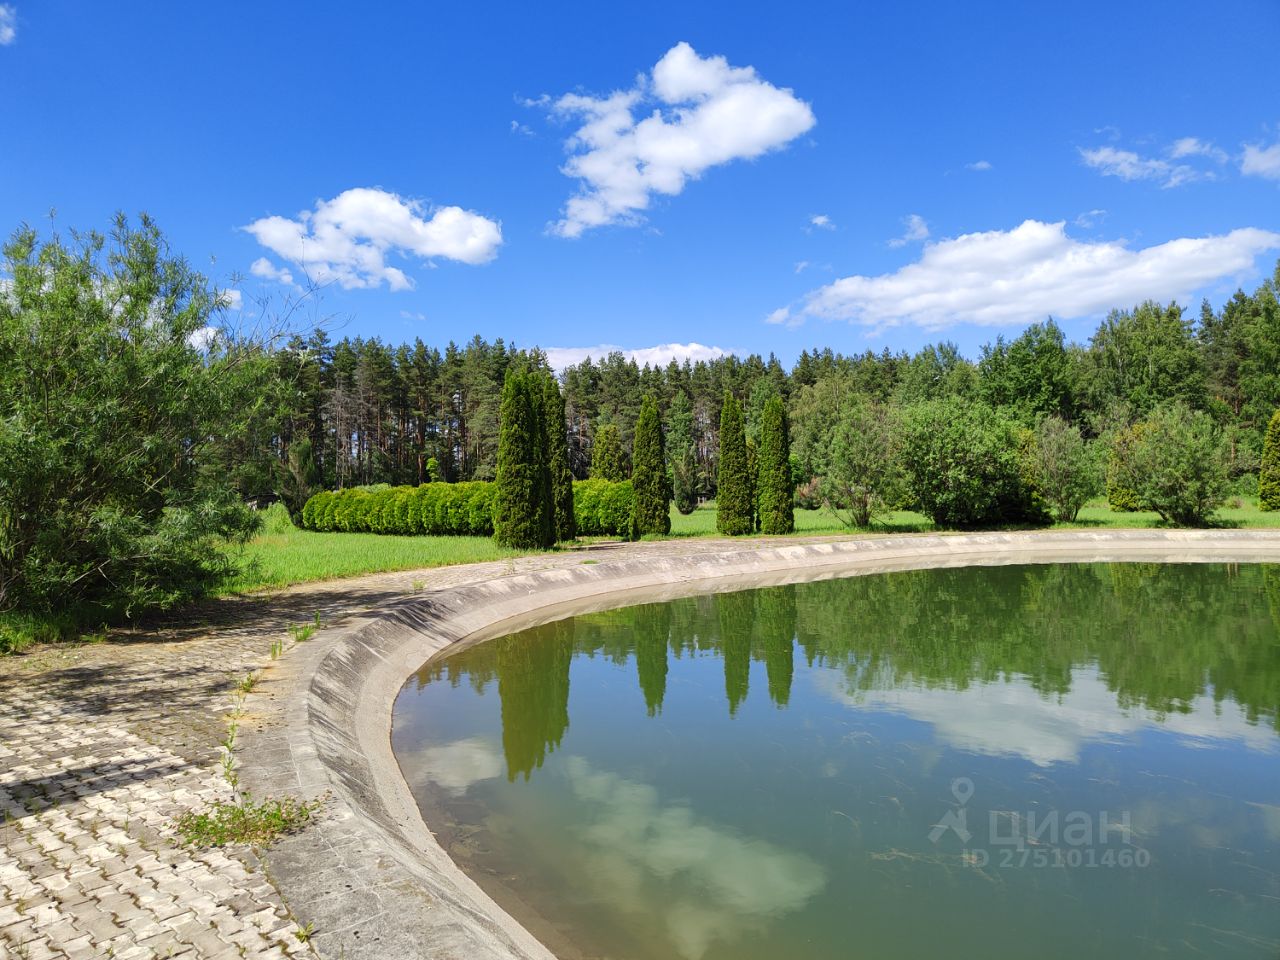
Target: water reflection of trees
pixel 1161 635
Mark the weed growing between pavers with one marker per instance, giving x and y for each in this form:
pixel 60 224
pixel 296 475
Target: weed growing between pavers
pixel 256 823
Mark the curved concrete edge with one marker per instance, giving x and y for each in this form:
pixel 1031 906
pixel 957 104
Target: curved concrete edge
pixel 371 876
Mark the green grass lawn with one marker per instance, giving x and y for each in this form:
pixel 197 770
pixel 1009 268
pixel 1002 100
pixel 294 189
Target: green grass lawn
pixel 280 558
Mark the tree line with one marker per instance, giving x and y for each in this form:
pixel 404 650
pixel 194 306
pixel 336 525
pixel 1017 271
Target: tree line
pixel 137 425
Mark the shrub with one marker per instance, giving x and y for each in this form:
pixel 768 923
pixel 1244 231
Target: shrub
pixel 1122 497
pixel 964 467
pixel 432 509
pixel 734 508
pixel 1066 472
pixel 651 505
pixel 602 508
pixel 776 493
pixel 1176 465
pixel 276 519
pixel 864 477
pixel 1269 473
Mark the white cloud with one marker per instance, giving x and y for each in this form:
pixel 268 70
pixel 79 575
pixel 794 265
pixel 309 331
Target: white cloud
pixel 717 885
pixel 704 113
pixel 979 165
pixel 981 718
pixel 1027 273
pixel 1127 165
pixel 346 240
pixel 231 300
pixel 457 766
pixel 264 268
pixel 802 266
pixel 1259 161
pixel 520 128
pixel 916 229
pixel 1090 218
pixel 203 338
pixel 659 356
pixel 411 315
pixel 821 221
pixel 8 24
pixel 1195 147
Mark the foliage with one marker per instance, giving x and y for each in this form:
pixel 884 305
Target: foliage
pixel 523 513
pixel 603 508
pixel 651 506
pixel 1066 471
pixel 1176 465
pixel 963 466
pixel 255 823
pixel 734 508
pixel 1269 473
pixel 558 460
pixel 684 479
pixel 864 481
pixel 775 496
pixel 117 405
pixel 433 509
pixel 1122 497
pixel 276 519
pixel 607 459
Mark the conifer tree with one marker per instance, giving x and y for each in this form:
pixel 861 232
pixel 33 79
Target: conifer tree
pixel 522 512
pixel 607 462
pixel 558 459
pixel 733 493
pixel 651 509
pixel 775 493
pixel 1269 474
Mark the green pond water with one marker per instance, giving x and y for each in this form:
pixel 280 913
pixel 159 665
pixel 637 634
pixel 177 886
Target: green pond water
pixel 1076 761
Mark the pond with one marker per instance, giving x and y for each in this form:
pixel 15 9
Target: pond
pixel 998 762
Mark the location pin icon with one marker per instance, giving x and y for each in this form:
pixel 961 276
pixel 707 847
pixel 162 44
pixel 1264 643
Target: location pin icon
pixel 962 789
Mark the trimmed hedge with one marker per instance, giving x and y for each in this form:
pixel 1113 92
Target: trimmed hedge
pixel 432 509
pixel 600 509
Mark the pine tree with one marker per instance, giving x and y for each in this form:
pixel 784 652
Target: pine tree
pixel 1269 475
pixel 651 509
pixel 558 459
pixel 733 493
pixel 607 462
pixel 775 493
pixel 522 512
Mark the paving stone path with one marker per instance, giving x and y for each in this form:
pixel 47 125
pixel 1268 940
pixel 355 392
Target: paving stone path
pixel 102 746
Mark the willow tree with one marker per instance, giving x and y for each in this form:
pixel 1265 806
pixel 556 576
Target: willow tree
pixel 523 514
pixel 734 513
pixel 651 509
pixel 775 493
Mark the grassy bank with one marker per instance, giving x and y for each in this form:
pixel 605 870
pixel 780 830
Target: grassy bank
pixel 282 558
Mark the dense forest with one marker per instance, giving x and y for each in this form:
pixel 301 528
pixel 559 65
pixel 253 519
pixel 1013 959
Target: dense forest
pixel 373 412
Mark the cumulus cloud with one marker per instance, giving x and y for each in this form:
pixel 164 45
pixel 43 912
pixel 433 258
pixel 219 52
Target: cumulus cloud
pixel 979 165
pixel 699 113
pixel 1260 161
pixel 821 221
pixel 1024 274
pixel 726 886
pixel 264 268
pixel 916 229
pixel 658 356
pixel 346 240
pixel 459 765
pixel 231 300
pixel 203 339
pixel 8 24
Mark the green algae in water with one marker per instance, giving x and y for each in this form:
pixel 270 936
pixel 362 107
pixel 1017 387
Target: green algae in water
pixel 996 762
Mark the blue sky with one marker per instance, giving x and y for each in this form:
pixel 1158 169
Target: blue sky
pixel 648 176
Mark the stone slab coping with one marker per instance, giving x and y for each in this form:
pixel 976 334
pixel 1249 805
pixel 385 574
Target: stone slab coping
pixel 370 875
